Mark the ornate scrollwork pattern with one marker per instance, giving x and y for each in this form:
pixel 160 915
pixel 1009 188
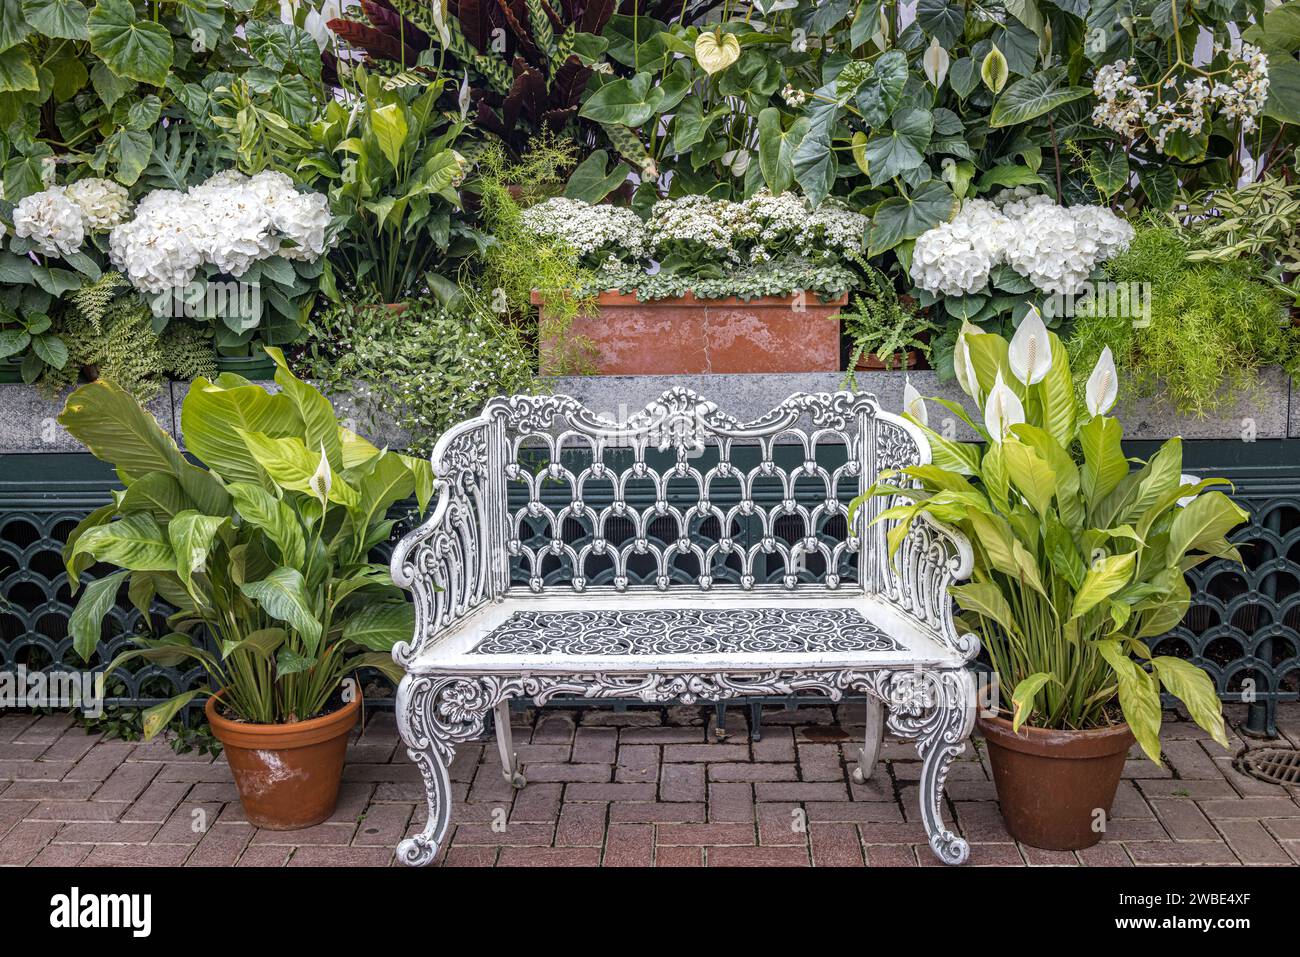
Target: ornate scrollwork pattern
pixel 436 712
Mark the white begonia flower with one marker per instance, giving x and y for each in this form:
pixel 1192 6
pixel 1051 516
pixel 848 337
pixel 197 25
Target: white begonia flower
pixel 914 402
pixel 1030 351
pixel 103 203
pixel 962 364
pixel 1002 410
pixel 51 221
pixel 935 61
pixel 590 230
pixel 1103 385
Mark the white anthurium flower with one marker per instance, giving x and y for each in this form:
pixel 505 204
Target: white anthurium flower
pixel 1030 352
pixel 962 364
pixel 935 60
pixel 914 403
pixel 1003 410
pixel 462 98
pixel 1186 479
pixel 323 480
pixel 1103 385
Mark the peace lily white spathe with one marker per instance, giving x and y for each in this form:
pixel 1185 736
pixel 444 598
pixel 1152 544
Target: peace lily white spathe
pixel 1003 410
pixel 961 361
pixel 914 402
pixel 1103 385
pixel 935 61
pixel 1030 353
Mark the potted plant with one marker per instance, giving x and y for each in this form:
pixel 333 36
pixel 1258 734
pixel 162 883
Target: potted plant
pixel 886 331
pixel 263 557
pixel 1078 559
pixel 708 285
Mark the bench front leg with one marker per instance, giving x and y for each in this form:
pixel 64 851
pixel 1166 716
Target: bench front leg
pixel 937 708
pixel 434 714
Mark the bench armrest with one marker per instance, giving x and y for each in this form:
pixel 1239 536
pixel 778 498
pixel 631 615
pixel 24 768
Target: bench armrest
pixel 446 562
pixel 932 557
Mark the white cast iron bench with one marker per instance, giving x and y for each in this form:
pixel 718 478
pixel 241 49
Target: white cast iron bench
pixel 680 555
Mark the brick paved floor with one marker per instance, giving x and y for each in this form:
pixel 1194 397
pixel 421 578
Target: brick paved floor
pixel 638 788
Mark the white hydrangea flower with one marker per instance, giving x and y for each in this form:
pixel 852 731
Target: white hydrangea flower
pixel 1052 251
pixel 51 221
pixel 102 202
pixel 230 221
pixel 1110 232
pixel 590 229
pixel 956 258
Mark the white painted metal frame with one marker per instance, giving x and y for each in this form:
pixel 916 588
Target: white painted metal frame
pixel 457 566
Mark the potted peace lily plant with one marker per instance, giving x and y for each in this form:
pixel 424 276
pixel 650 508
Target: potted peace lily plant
pixel 708 285
pixel 263 555
pixel 1079 559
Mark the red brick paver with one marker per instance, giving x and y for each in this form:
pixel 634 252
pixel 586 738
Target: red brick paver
pixel 620 789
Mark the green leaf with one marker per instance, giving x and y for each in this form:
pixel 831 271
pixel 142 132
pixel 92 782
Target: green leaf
pixel 134 541
pixel 158 494
pixel 627 102
pixel 192 537
pixel 776 148
pixel 900 218
pixel 986 600
pixel 14 27
pixel 590 183
pixel 212 415
pixel 1109 170
pixel 133 47
pixel 160 715
pixel 1034 95
pixel 388 123
pixel 51 349
pixel 1022 698
pixel 273 516
pixel 387 483
pixel 87 619
pixel 320 424
pixel 1139 697
pixel 1105 577
pixel 17 74
pixel 59 19
pixel 1031 474
pixel 283 595
pixel 262 643
pixel 942 19
pixel 1203 523
pixel 1056 393
pixel 881 89
pixel 381 625
pixel 1193 687
pixel 1104 464
pixel 901 147
pixel 1009 175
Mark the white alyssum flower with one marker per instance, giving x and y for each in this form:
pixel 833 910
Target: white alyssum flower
pixel 230 221
pixel 51 221
pixel 102 202
pixel 590 230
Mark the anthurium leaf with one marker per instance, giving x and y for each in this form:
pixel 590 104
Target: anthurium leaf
pixel 627 102
pixel 1034 95
pixel 813 159
pixel 776 148
pixel 900 218
pixel 1193 687
pixel 1105 577
pixel 591 183
pixel 86 621
pixel 283 595
pixel 1022 698
pixel 58 19
pixel 901 147
pixel 943 19
pixel 133 47
pixel 381 625
pixel 1139 697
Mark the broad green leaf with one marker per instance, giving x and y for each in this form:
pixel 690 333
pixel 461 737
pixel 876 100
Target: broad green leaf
pixel 134 542
pixel 776 148
pixel 160 715
pixel 157 493
pixel 381 662
pixel 1022 698
pixel 901 147
pixel 1056 393
pixel 381 625
pixel 813 159
pixel 625 102
pixel 388 124
pixel 881 89
pixel 283 595
pixel 77 563
pixel 1139 697
pixel 1104 464
pixel 1009 175
pixel 1193 687
pixel 291 465
pixel 1109 170
pixel 389 482
pixel 1105 577
pixel 943 19
pixel 1203 523
pixel 986 600
pixel 274 517
pixel 86 621
pixel 192 536
pixel 59 19
pixel 1031 474
pixel 900 218
pixel 133 47
pixel 1034 95
pixel 212 416
pixel 320 424
pixel 591 183
pixel 262 643
pixel 17 72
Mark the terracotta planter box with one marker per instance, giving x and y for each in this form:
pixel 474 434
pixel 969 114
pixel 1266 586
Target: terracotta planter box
pixel 688 335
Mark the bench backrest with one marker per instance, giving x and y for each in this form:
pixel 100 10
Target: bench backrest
pixel 552 495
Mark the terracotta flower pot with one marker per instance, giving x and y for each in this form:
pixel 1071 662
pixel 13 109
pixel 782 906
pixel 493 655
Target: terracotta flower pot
pixel 287 774
pixel 1052 783
pixel 686 335
pixel 870 362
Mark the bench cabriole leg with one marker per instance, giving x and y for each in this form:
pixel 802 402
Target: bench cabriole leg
pixel 506 748
pixel 938 710
pixel 870 751
pixel 431 744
